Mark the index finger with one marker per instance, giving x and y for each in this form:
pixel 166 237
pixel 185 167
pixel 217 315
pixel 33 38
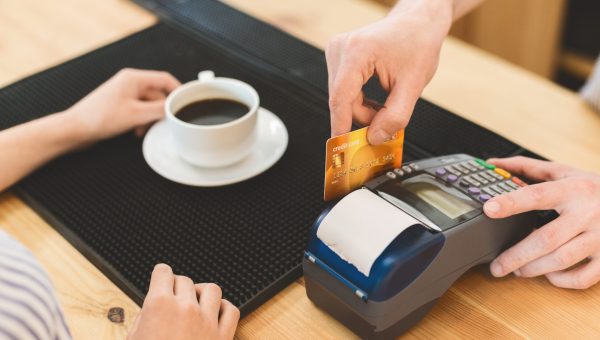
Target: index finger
pixel 542 196
pixel 156 80
pixel 531 168
pixel 346 88
pixel 162 280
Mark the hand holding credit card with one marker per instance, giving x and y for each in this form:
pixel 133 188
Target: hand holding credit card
pixel 350 161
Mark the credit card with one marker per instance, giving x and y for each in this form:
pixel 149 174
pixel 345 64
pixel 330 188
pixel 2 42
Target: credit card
pixel 351 161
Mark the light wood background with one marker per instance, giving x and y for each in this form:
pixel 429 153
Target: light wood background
pixel 526 33
pixel 549 120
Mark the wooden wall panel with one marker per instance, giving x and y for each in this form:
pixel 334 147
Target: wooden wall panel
pixel 526 33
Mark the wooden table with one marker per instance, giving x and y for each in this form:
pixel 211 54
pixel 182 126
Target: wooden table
pixel 527 109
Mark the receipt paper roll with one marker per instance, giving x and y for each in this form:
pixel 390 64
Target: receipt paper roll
pixel 361 226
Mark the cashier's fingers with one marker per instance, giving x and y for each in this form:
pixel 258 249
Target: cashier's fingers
pixel 581 277
pixel 564 257
pixel 539 243
pixel 228 320
pixel 531 168
pixel 363 110
pixel 332 55
pixel 162 280
pixel 209 295
pixel 542 196
pixel 394 115
pixel 343 94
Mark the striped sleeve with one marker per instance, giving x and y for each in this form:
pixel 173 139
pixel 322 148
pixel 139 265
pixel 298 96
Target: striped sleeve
pixel 591 90
pixel 29 308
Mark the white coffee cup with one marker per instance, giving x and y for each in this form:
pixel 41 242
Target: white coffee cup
pixel 212 146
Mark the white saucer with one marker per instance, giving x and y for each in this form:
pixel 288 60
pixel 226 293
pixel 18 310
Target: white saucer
pixel 160 154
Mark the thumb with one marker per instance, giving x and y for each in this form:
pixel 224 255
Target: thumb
pixel 136 325
pixel 393 117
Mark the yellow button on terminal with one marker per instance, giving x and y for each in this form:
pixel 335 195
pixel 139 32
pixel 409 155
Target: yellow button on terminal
pixel 502 172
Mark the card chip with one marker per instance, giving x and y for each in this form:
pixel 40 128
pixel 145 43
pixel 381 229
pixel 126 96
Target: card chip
pixel 337 160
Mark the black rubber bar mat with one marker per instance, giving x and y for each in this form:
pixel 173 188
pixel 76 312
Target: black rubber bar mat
pixel 246 237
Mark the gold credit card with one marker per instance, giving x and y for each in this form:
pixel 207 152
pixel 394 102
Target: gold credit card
pixel 351 161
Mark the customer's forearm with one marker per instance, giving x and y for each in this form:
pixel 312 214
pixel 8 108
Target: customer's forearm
pixel 25 147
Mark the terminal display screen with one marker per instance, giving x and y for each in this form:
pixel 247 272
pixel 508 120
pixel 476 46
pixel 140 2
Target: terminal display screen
pixel 423 195
pixel 448 204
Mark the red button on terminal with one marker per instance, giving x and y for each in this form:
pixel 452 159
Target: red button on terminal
pixel 518 181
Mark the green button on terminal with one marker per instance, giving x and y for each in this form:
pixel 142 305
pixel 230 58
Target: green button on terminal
pixel 485 164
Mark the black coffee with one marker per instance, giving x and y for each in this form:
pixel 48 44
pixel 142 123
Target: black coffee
pixel 212 111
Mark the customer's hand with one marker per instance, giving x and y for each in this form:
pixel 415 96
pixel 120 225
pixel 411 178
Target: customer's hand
pixel 177 309
pixel 555 248
pixel 131 99
pixel 402 51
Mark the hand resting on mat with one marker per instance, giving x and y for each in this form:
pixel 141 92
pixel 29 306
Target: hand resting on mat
pixel 176 308
pixel 566 250
pixel 131 99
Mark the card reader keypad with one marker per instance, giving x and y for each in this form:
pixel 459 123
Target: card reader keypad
pixel 474 177
pixel 479 179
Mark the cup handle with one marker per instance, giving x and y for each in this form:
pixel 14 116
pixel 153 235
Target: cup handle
pixel 205 76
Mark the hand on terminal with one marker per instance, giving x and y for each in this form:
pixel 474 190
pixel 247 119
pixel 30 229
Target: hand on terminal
pixel 566 250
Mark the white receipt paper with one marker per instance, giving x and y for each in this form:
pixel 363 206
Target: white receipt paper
pixel 361 226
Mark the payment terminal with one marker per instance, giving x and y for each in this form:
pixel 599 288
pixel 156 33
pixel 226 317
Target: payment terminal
pixel 381 256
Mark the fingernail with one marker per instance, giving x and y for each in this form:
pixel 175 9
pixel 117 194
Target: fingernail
pixel 496 269
pixel 491 207
pixel 378 137
pixel 163 266
pixel 517 273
